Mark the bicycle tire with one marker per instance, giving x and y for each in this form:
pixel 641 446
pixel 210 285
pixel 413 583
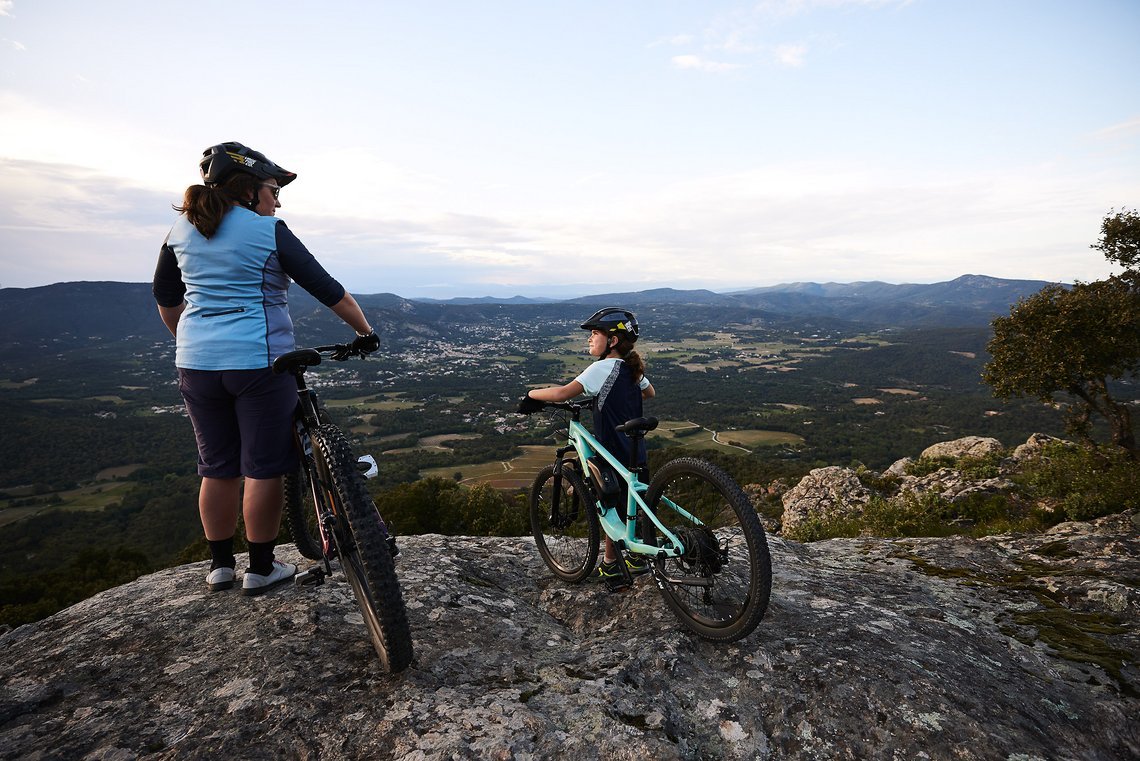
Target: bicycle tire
pixel 721 586
pixel 566 540
pixel 299 511
pixel 301 515
pixel 364 554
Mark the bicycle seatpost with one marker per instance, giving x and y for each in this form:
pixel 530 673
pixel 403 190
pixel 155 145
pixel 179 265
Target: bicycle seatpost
pixel 636 429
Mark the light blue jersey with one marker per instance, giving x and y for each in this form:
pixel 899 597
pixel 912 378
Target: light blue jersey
pixel 237 311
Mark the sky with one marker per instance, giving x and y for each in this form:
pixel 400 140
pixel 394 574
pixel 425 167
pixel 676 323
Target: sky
pixel 553 148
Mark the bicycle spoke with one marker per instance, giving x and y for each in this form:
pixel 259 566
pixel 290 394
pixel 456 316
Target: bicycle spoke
pixel 564 524
pixel 719 587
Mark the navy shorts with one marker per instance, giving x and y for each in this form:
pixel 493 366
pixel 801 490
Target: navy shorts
pixel 243 421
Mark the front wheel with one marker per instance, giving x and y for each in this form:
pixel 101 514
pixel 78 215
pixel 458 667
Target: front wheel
pixel 363 549
pixel 564 523
pixel 719 587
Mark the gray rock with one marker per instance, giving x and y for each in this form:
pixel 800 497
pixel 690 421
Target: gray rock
pixel 952 486
pixel 898 467
pixel 1035 444
pixel 1012 647
pixel 967 446
pixel 824 493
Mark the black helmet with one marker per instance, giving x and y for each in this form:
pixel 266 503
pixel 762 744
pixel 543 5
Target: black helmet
pixel 613 320
pixel 220 161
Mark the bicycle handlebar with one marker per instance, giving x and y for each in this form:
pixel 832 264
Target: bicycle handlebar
pixel 302 359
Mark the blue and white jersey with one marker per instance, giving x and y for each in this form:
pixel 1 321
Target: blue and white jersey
pixel 617 399
pixel 235 286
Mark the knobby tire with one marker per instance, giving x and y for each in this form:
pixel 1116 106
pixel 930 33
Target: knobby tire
pixel 727 562
pixel 567 539
pixel 300 513
pixel 364 553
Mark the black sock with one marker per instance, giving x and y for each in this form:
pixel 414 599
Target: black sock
pixel 222 553
pixel 261 557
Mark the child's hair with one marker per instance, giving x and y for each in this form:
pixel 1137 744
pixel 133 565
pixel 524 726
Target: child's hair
pixel 625 350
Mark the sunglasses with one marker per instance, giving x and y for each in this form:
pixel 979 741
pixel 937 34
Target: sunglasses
pixel 276 191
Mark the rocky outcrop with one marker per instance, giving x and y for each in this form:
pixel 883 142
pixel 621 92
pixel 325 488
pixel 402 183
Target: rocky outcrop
pixel 839 494
pixel 967 446
pixel 831 492
pixel 1010 647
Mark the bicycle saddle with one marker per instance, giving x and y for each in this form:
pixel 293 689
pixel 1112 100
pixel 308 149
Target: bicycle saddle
pixel 296 360
pixel 639 426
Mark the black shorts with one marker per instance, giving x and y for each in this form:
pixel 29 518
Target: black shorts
pixel 243 421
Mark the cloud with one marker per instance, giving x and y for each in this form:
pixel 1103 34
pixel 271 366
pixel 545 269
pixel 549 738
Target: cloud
pixel 790 55
pixel 1124 129
pixel 674 41
pixel 697 63
pixel 13 44
pixel 6 6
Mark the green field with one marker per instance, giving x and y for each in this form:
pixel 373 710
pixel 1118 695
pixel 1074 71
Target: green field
pixel 370 405
pixel 684 433
pixel 91 497
pixel 517 473
pixel 520 471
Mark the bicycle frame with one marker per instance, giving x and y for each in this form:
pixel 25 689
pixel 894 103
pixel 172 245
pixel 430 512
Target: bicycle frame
pixel 582 442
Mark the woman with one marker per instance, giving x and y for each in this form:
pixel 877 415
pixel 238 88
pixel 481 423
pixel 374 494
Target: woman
pixel 618 385
pixel 222 286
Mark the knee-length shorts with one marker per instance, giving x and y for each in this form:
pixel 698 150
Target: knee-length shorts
pixel 243 421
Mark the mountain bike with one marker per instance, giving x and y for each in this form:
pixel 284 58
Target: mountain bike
pixel 333 518
pixel 707 550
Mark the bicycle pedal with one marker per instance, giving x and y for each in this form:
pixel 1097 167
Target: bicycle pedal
pixel 314 576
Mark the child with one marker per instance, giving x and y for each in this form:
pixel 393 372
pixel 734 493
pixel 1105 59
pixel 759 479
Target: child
pixel 618 385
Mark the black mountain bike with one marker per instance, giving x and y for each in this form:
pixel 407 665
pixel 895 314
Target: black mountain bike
pixel 333 518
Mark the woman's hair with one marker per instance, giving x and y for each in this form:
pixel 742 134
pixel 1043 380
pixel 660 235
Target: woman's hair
pixel 205 205
pixel 624 349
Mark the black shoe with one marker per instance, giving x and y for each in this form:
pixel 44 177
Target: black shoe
pixel 615 575
pixel 637 564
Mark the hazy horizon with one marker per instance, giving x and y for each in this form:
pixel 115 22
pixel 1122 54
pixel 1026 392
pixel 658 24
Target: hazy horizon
pixel 569 293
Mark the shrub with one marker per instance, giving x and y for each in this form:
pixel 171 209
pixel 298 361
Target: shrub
pixel 1085 483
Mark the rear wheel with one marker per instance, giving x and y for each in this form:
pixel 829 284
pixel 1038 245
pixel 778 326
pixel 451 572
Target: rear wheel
pixel 720 587
pixel 565 529
pixel 301 515
pixel 363 549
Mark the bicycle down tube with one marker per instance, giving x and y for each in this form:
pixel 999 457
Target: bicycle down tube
pixel 585 446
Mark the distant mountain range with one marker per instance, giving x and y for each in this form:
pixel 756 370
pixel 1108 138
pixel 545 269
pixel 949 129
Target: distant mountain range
pixel 107 311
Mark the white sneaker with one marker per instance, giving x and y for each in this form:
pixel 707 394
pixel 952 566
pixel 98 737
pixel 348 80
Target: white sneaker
pixel 255 583
pixel 220 579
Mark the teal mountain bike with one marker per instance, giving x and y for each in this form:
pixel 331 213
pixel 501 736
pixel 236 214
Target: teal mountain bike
pixel 707 549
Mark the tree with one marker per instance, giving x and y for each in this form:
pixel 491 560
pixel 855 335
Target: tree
pixel 1076 340
pixel 1120 241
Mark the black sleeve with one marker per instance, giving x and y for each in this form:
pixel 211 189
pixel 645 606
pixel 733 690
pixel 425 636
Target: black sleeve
pixel 167 286
pixel 305 270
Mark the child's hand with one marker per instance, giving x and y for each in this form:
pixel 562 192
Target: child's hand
pixel 529 405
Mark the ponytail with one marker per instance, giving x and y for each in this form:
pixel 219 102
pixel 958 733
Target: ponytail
pixel 206 205
pixel 625 350
pixel 636 364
